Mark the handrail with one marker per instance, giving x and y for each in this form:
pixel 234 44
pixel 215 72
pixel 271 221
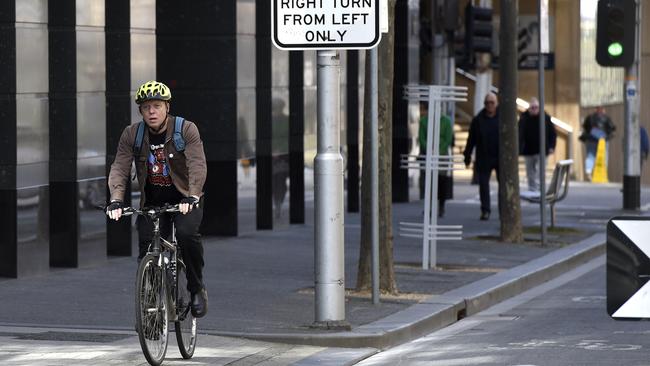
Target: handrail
pixel 522 104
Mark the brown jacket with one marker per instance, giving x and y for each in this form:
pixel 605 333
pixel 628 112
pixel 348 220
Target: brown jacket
pixel 188 169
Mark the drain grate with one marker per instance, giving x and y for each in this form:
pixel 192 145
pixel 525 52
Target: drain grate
pixel 67 336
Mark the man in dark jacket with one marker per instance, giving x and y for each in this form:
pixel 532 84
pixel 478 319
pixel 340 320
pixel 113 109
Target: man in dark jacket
pixel 165 176
pixel 484 136
pixel 529 141
pixel 596 126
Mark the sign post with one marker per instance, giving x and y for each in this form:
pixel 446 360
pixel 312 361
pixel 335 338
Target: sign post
pixel 543 48
pixel 631 138
pixel 432 162
pixel 327 26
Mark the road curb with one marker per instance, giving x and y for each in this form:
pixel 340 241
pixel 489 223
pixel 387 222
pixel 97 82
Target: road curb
pixel 439 311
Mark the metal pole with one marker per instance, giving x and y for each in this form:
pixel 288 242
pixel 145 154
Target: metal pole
pixel 434 34
pixel 451 110
pixel 426 227
pixel 328 197
pixel 374 169
pixel 434 145
pixel 483 82
pixel 632 161
pixel 542 131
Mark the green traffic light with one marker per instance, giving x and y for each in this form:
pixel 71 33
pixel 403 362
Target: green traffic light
pixel 615 49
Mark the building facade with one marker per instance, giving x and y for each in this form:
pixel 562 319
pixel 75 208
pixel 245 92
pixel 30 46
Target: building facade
pixel 69 70
pixel 68 74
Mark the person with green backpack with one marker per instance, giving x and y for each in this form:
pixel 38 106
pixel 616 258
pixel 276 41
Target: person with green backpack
pixel 446 140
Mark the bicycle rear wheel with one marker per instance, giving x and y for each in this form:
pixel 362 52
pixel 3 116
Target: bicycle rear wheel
pixel 186 324
pixel 151 310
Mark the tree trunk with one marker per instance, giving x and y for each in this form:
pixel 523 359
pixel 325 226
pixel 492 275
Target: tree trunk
pixel 509 203
pixel 387 282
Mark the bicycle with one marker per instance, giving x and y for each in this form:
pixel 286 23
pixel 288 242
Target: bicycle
pixel 161 293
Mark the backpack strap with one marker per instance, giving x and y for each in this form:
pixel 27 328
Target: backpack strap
pixel 179 142
pixel 139 136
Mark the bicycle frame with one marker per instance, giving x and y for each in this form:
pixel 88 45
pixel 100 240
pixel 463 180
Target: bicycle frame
pixel 162 264
pixel 159 247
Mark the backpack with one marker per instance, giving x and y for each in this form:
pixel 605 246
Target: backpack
pixel 177 136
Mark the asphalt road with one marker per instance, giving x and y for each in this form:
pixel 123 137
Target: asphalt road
pixel 565 325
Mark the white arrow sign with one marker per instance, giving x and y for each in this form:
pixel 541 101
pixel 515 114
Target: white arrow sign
pixel 637 306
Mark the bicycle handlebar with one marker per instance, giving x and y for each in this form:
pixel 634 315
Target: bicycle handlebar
pixel 150 211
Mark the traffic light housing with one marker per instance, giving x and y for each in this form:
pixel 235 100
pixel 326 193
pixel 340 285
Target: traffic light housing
pixel 615 33
pixel 460 52
pixel 478 30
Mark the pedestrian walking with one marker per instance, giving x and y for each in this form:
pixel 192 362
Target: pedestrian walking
pixel 280 154
pixel 595 126
pixel 529 142
pixel 445 189
pixel 484 137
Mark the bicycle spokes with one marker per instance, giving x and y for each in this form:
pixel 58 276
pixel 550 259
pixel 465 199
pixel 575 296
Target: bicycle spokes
pixel 155 309
pixel 152 311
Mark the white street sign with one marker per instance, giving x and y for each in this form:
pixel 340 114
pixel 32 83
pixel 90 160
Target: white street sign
pixel 636 304
pixel 325 24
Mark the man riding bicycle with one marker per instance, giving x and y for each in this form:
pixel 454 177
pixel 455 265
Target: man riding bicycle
pixel 165 176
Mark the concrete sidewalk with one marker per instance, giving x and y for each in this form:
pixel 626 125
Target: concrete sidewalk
pixel 261 286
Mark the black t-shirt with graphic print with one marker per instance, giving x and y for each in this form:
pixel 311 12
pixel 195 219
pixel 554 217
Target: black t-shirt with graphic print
pixel 159 188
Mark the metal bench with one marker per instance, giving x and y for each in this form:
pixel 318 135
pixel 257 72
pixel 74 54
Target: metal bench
pixel 557 188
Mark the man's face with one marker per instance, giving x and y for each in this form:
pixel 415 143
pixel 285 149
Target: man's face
pixel 533 109
pixel 154 113
pixel 490 104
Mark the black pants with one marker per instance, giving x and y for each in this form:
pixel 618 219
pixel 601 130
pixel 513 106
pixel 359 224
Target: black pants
pixel 189 239
pixel 445 187
pixel 484 173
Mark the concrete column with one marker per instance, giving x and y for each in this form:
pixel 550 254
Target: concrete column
pixel 77 132
pixel 296 137
pixel 24 185
pixel 264 110
pixel 400 181
pixel 352 130
pixel 196 56
pixel 118 108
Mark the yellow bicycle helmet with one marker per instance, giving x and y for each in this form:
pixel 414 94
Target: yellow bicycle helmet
pixel 152 90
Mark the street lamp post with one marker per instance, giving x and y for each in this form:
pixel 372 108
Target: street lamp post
pixel 328 198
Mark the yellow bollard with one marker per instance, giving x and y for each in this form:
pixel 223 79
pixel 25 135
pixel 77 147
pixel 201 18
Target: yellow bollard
pixel 600 168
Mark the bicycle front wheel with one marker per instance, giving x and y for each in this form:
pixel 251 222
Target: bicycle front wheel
pixel 186 324
pixel 151 310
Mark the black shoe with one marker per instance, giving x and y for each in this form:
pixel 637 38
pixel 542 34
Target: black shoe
pixel 200 304
pixel 485 216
